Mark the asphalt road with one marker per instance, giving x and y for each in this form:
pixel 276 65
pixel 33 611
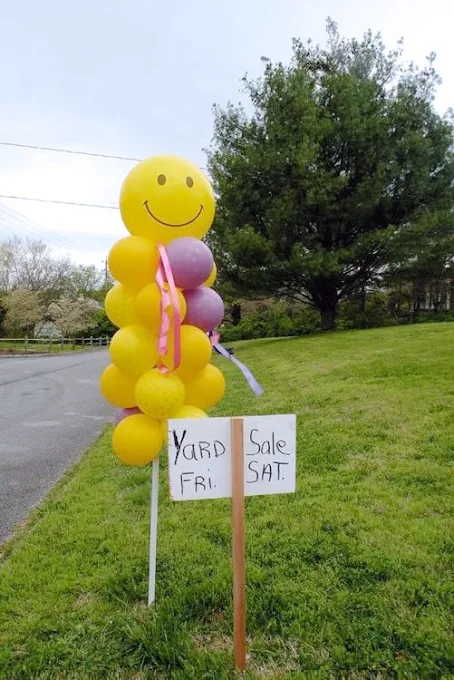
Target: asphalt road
pixel 50 411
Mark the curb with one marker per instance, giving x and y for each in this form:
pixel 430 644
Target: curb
pixel 38 355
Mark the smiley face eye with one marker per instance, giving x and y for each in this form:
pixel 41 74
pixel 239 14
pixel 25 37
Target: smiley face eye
pixel 189 182
pixel 162 179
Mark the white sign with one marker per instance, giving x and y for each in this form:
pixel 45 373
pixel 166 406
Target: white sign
pixel 200 457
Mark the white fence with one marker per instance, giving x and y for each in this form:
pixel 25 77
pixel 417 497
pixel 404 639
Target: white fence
pixel 40 345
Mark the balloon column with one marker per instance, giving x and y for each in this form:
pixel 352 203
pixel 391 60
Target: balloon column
pixel 163 305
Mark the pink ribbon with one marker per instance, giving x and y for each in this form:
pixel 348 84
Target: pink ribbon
pixel 169 297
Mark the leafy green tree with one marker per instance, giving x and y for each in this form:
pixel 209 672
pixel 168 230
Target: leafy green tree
pixel 342 152
pixel 103 325
pixel 425 258
pixel 24 308
pixel 3 310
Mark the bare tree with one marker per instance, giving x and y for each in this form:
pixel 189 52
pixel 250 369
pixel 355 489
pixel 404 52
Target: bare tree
pixel 6 267
pixel 83 280
pixel 29 263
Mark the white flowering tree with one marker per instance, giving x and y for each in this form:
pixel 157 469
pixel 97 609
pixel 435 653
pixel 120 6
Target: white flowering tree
pixel 73 315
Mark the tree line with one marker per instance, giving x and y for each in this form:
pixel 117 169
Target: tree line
pixel 39 291
pixel 337 182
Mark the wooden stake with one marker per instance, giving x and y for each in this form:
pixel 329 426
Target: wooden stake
pixel 239 570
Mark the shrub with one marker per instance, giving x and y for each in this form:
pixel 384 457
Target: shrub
pixel 278 319
pixel 375 313
pixel 272 321
pixel 432 317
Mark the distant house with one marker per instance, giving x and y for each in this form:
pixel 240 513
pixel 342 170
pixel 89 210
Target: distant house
pixel 47 330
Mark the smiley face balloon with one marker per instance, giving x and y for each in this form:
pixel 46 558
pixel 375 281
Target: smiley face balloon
pixel 165 198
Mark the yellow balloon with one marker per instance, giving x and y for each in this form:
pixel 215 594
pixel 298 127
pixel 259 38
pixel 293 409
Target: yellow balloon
pixel 119 306
pixel 118 387
pixel 137 440
pixel 166 197
pixel 184 412
pixel 206 389
pixel 134 349
pixel 195 351
pixel 159 395
pixel 134 261
pixel 183 306
pixel 148 306
pixel 212 277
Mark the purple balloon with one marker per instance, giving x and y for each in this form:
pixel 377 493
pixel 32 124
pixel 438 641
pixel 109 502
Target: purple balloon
pixel 191 262
pixel 205 308
pixel 125 413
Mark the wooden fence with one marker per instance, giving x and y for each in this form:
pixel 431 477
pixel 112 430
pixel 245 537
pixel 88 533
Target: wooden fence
pixel 40 345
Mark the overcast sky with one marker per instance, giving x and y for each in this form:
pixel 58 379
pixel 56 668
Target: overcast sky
pixel 139 77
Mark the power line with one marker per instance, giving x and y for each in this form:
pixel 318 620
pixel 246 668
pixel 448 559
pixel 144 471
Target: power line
pixel 36 147
pixel 23 228
pixel 72 151
pixel 48 200
pixel 22 231
pixel 20 221
pixel 15 227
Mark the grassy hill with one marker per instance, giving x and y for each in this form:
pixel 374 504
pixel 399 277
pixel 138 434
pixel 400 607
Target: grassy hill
pixel 352 573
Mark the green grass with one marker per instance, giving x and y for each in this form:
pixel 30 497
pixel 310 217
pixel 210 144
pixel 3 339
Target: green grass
pixel 352 574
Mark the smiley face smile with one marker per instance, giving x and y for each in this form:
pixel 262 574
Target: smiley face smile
pixel 169 224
